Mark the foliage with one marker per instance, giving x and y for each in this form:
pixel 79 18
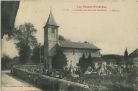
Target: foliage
pixel 126 54
pixel 25 41
pixel 82 64
pixel 59 60
pixel 36 54
pixel 24 53
pixel 5 62
pixel 129 61
pixel 89 61
pixel 131 74
pixel 61 38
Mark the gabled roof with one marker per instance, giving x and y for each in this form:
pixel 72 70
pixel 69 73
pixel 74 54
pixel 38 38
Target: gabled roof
pixel 70 44
pixel 134 53
pixel 51 20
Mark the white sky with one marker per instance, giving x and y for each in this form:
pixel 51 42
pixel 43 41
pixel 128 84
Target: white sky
pixel 110 31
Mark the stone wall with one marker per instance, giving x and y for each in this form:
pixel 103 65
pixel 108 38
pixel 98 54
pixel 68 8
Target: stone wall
pixel 49 83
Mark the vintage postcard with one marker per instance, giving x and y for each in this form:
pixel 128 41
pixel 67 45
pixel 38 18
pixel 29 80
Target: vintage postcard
pixel 69 45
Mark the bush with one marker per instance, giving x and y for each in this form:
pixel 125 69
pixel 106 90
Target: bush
pixel 59 60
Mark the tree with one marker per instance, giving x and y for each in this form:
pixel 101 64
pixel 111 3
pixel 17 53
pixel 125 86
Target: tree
pixel 5 62
pixel 89 61
pixel 25 41
pixel 61 38
pixel 59 60
pixel 36 54
pixel 82 64
pixel 126 55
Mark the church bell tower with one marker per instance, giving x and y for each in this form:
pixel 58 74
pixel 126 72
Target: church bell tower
pixel 50 41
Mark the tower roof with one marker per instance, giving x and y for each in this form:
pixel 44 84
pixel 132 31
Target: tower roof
pixel 51 20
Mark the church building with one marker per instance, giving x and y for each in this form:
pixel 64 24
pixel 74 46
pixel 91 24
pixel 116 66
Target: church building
pixel 72 50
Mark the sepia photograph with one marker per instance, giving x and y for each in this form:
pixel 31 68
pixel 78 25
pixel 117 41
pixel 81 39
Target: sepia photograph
pixel 69 45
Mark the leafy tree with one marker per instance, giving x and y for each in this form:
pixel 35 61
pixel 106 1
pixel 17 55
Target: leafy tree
pixel 82 64
pixel 25 41
pixel 36 54
pixel 59 60
pixel 61 38
pixel 5 62
pixel 89 61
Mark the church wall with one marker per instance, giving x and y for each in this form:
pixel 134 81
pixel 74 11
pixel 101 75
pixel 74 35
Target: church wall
pixel 75 54
pixel 95 54
pixel 74 57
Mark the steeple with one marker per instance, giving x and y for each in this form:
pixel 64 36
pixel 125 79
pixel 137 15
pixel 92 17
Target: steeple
pixel 51 21
pixel 50 40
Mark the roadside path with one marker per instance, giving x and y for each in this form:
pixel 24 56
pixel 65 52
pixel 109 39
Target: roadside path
pixel 11 83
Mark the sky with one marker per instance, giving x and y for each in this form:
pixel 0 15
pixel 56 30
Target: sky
pixel 112 30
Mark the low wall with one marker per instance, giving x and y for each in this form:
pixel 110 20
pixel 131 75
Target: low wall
pixel 47 82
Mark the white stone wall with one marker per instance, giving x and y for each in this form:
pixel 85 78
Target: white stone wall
pixel 75 54
pixel 74 57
